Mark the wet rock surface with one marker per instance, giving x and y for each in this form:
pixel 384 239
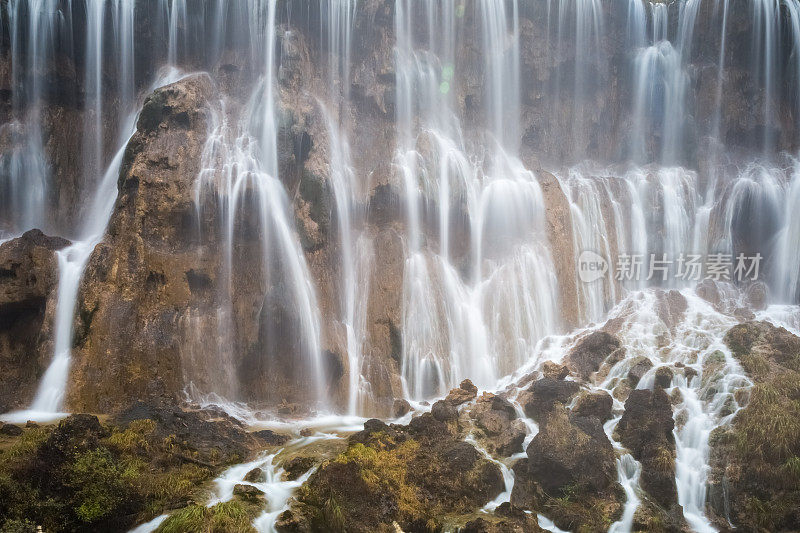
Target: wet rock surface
pixel 499 428
pixel 646 430
pixel 754 480
pixel 28 297
pixel 543 395
pixel 570 473
pixel 596 404
pixel 590 352
pixel 411 475
pixel 136 289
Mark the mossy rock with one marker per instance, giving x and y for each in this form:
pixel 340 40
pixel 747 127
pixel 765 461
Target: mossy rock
pixel 82 475
pixel 755 462
pixel 413 475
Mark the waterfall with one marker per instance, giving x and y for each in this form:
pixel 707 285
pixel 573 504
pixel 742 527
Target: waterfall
pixel 240 177
pixel 477 326
pixel 670 129
pixel 36 30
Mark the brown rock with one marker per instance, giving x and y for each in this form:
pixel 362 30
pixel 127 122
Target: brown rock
pixel 663 377
pixel 28 283
pixel 646 430
pixel 589 353
pixel 465 392
pixel 554 370
pixel 444 411
pixel 248 493
pixel 639 367
pixel 543 395
pixel 297 466
pixel 401 408
pixel 10 430
pixel 270 438
pixel 499 430
pixel 571 472
pixel 256 475
pixel 136 293
pixel 597 404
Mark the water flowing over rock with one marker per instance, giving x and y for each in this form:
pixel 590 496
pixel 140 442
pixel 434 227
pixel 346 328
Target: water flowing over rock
pixel 556 240
pixel 143 278
pixel 28 280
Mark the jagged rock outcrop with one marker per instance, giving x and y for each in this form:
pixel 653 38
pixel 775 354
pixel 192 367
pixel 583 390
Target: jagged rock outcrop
pixel 144 278
pixel 499 427
pixel 755 471
pixel 570 474
pixel 597 404
pixel 410 475
pixel 28 297
pixel 589 353
pixel 646 430
pixel 546 394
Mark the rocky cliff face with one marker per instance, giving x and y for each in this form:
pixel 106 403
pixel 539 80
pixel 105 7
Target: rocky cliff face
pixel 144 279
pixel 28 295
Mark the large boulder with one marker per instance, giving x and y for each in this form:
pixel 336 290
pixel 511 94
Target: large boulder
pixel 646 430
pixel 28 295
pixel 755 475
pixel 598 404
pixel 145 278
pixel 589 353
pixel 570 473
pixel 499 429
pixel 543 395
pixel 411 475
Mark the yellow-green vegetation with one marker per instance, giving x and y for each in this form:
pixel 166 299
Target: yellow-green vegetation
pixel 83 476
pixel 227 517
pixel 418 478
pixel 584 513
pixel 379 468
pixel 759 455
pixel 385 469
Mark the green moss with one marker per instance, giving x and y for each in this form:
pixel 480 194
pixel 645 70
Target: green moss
pixel 134 439
pixel 100 484
pixel 228 517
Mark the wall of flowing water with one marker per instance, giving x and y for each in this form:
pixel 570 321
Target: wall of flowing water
pixel 369 200
pixel 491 142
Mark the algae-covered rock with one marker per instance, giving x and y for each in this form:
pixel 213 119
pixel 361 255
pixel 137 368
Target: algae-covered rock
pixel 543 396
pixel 84 475
pixel 590 352
pixel 412 475
pixel 570 474
pixel 755 462
pixel 597 404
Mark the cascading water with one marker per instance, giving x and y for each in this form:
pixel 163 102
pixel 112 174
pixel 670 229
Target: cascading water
pixel 483 273
pixel 476 326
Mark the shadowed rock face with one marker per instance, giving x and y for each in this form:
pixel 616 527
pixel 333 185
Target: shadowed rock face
pixel 28 292
pixel 136 291
pixel 570 473
pixel 646 430
pixel 590 352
